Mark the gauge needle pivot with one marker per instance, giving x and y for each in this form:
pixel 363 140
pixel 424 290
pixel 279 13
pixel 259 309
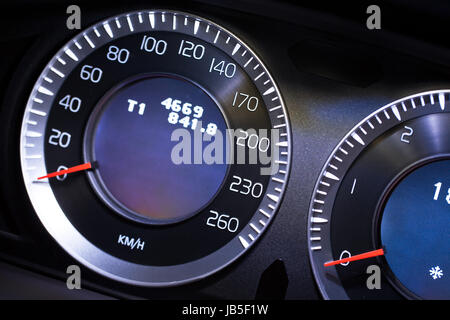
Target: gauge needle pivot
pixel 366 255
pixel 81 167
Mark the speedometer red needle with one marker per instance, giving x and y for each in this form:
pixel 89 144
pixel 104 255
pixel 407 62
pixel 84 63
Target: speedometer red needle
pixel 361 256
pixel 81 167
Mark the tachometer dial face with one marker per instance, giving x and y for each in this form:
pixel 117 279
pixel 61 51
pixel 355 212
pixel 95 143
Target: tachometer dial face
pixel 379 221
pixel 155 147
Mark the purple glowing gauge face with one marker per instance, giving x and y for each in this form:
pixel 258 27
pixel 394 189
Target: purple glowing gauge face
pixel 138 169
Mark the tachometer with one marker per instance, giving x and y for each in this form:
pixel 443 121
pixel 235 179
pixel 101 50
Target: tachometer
pixel 379 222
pixel 155 147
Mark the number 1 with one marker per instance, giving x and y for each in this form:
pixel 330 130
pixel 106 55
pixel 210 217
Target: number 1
pixel 438 190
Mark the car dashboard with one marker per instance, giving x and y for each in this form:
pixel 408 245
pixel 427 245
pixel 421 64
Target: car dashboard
pixel 117 122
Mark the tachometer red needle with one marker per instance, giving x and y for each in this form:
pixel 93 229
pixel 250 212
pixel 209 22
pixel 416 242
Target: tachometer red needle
pixel 361 256
pixel 81 167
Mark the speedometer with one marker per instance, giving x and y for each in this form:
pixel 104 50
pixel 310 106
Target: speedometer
pixel 155 147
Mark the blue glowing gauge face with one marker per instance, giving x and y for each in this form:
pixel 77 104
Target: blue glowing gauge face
pixel 134 133
pixel 415 229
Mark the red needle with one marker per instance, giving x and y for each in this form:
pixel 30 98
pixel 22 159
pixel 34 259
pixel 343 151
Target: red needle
pixel 81 167
pixel 361 256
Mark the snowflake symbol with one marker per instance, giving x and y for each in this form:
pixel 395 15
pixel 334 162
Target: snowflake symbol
pixel 436 272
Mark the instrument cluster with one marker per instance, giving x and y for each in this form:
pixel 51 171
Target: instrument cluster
pixel 210 152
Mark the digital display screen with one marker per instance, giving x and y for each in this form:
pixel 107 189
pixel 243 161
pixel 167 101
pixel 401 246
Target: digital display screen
pixel 415 231
pixel 134 150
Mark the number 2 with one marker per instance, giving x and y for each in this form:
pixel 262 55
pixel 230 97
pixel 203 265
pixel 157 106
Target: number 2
pixel 406 134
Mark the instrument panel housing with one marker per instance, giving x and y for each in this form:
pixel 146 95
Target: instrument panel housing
pixel 331 71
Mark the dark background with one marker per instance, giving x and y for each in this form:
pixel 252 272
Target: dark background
pixel 331 70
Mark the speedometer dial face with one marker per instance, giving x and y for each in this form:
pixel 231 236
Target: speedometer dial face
pixel 155 147
pixel 379 221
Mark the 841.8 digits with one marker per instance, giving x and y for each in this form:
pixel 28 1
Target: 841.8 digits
pixel 187 110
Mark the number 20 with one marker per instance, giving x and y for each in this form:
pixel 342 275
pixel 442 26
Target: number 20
pixel 59 138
